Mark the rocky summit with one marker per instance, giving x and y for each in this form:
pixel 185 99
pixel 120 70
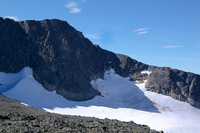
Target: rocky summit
pixel 62 59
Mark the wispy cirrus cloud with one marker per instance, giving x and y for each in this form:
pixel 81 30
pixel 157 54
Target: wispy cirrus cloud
pixel 12 17
pixel 173 46
pixel 75 10
pixel 73 7
pixel 142 31
pixel 93 36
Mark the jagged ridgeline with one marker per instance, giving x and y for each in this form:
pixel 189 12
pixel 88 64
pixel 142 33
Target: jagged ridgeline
pixel 62 59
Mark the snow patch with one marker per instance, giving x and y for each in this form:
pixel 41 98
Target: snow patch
pixel 121 99
pixel 24 104
pixel 146 72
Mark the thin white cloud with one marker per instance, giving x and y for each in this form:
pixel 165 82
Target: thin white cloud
pixel 141 29
pixel 73 7
pixel 75 10
pixel 172 46
pixel 12 17
pixel 142 32
pixel 92 36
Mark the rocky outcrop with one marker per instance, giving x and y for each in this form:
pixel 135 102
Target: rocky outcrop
pixel 180 85
pixel 14 49
pixel 64 60
pixel 132 68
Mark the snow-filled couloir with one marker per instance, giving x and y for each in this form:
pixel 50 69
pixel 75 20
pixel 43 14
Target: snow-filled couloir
pixel 120 99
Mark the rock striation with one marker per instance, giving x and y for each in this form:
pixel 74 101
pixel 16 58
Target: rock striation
pixel 62 59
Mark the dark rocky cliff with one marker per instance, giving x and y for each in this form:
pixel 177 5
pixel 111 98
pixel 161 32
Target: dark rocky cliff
pixel 64 60
pixel 180 85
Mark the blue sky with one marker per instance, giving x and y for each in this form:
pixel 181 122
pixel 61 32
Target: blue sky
pixel 156 32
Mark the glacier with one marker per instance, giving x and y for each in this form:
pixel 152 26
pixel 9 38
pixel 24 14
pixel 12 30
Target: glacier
pixel 120 99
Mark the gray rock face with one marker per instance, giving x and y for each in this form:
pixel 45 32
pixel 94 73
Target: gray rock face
pixel 13 46
pixel 61 58
pixel 132 68
pixel 64 60
pixel 178 84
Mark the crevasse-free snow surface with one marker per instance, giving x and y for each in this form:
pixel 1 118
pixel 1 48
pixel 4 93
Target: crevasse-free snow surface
pixel 121 99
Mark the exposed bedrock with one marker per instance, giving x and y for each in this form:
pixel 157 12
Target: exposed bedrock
pixel 180 85
pixel 64 60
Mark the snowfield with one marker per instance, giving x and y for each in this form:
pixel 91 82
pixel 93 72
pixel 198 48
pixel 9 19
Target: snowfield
pixel 121 99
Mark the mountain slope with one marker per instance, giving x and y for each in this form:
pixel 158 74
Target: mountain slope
pixel 64 61
pixel 16 117
pixel 120 99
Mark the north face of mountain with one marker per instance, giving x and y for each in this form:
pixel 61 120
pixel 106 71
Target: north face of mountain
pixel 64 60
pixel 61 58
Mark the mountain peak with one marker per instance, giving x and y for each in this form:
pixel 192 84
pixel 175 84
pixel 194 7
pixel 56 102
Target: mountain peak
pixel 63 60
